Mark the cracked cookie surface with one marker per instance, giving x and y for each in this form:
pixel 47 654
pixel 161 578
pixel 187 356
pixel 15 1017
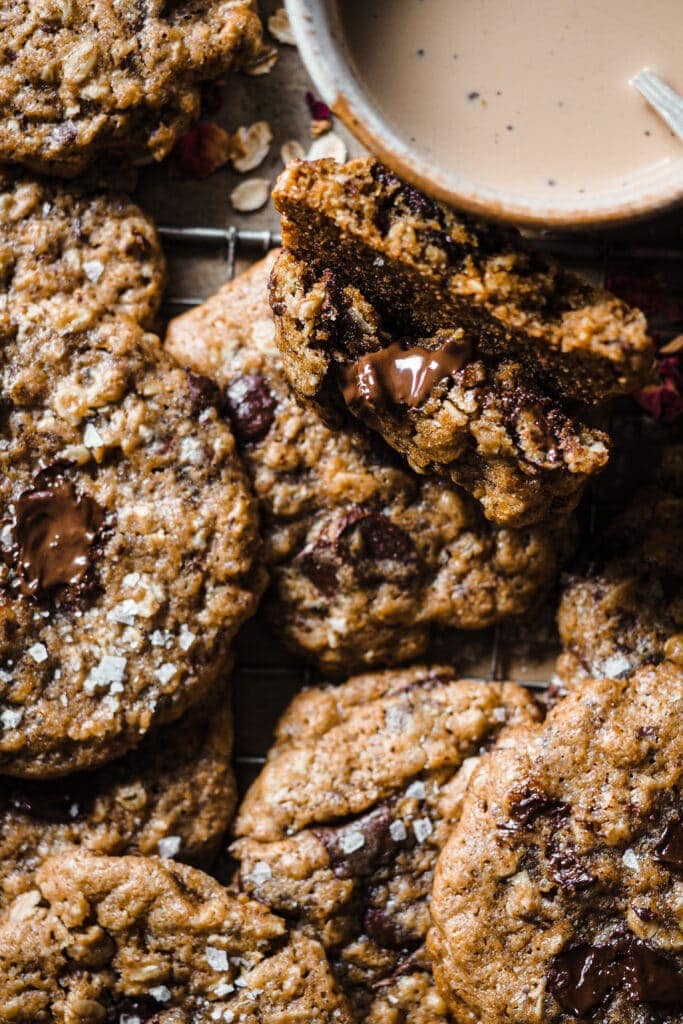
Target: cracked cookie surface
pixel 173 795
pixel 489 428
pixel 367 559
pixel 568 855
pixel 116 81
pixel 118 939
pixel 341 831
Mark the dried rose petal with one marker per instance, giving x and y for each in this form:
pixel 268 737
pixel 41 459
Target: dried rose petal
pixel 664 401
pixel 318 108
pixel 203 149
pixel 658 296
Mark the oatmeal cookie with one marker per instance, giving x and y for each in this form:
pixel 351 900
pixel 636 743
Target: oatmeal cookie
pixel 68 257
pixel 126 939
pixel 115 81
pixel 628 611
pixel 173 795
pixel 341 831
pixel 128 544
pixel 428 268
pixel 558 896
pixel 366 558
pixel 488 428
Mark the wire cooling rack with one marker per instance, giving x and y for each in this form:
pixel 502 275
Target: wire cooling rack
pixel 266 674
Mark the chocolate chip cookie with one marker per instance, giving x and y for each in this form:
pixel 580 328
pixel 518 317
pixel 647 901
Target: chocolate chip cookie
pixel 69 257
pixel 125 939
pixel 558 896
pixel 428 268
pixel 628 610
pixel 174 796
pixel 341 831
pixel 366 558
pixel 128 543
pixel 115 81
pixel 487 427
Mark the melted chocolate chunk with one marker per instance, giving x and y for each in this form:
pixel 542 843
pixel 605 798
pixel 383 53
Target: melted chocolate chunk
pixel 581 979
pixel 251 407
pixel 387 932
pixel 55 534
pixel 203 393
pixel 403 375
pixel 529 804
pixel 669 849
pixel 357 849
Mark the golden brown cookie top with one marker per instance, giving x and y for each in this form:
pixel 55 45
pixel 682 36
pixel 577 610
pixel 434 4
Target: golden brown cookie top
pixel 568 851
pixel 172 796
pixel 117 938
pixel 342 829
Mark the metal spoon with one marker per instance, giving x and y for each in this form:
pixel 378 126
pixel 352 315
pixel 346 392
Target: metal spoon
pixel 660 96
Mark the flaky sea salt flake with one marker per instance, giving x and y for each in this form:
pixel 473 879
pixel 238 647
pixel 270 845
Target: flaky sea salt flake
pixel 217 959
pixel 38 652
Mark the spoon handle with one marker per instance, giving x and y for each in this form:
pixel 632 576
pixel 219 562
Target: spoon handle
pixel 667 102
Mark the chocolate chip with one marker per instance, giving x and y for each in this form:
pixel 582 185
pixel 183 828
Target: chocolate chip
pixel 359 847
pixel 529 804
pixel 377 547
pixel 569 872
pixel 387 932
pixel 669 849
pixel 56 533
pixel 581 979
pixel 251 407
pixel 319 563
pixel 203 393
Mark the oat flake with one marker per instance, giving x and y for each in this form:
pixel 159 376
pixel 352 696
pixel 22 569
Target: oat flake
pixel 252 145
pixel 280 28
pixel 330 146
pixel 250 195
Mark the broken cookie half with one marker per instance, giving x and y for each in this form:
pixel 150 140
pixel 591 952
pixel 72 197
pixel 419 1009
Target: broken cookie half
pixel 450 338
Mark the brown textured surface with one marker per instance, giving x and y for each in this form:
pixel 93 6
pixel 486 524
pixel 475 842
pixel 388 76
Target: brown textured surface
pixel 115 81
pixel 317 830
pixel 628 611
pixel 424 264
pixel 559 846
pixel 176 786
pixel 94 412
pixel 490 429
pixel 366 558
pixel 68 257
pixel 104 938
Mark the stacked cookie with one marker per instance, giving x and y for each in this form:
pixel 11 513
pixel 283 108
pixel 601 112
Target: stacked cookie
pixel 409 420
